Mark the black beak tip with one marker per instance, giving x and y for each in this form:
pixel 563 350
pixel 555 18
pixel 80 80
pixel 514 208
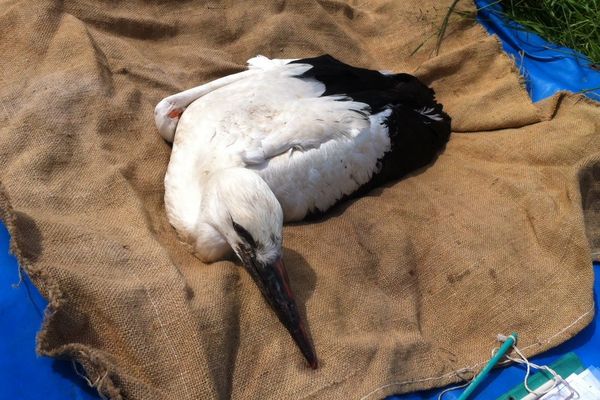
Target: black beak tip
pixel 273 281
pixel 306 347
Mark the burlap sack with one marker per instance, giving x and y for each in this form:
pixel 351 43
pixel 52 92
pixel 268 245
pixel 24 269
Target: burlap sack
pixel 403 289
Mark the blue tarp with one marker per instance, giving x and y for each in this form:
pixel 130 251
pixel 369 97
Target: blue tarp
pixel 547 69
pixel 25 376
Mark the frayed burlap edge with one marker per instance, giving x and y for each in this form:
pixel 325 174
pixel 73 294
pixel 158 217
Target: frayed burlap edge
pixel 97 371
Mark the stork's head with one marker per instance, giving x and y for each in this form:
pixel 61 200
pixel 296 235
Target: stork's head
pixel 245 211
pixel 166 117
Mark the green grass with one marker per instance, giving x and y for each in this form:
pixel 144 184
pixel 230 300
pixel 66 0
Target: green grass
pixel 571 23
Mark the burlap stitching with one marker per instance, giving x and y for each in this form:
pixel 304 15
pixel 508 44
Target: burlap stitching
pixel 330 384
pixel 163 330
pixel 476 366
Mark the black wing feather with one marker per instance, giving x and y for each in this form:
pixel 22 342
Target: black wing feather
pixel 416 138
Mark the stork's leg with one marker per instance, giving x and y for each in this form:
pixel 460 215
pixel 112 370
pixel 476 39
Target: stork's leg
pixel 169 109
pixel 183 99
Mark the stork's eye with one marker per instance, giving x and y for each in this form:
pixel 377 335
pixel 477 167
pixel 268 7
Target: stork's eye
pixel 244 234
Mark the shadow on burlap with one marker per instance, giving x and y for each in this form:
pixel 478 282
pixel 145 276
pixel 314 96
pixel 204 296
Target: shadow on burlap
pixel 403 289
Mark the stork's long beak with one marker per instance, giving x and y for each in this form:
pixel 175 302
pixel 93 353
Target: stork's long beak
pixel 273 282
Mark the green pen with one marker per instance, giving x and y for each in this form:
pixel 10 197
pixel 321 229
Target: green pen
pixel 488 367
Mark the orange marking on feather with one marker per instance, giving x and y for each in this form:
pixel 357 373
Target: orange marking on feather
pixel 176 113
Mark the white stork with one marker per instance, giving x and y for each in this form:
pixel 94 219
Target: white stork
pixel 280 140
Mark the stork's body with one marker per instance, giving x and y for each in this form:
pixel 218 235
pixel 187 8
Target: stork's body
pixel 284 139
